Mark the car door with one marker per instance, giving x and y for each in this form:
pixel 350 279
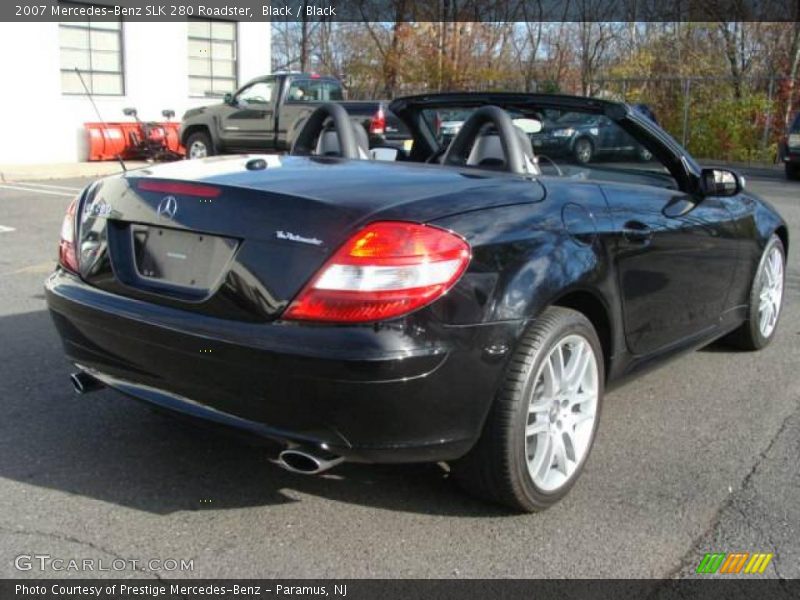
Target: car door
pixel 607 134
pixel 676 258
pixel 249 124
pixel 613 138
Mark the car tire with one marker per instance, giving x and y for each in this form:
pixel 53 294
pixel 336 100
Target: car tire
pixel 766 299
pixel 509 464
pixel 199 145
pixel 583 150
pixel 792 172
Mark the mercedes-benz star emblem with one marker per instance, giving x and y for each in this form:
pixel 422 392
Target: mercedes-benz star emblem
pixel 168 207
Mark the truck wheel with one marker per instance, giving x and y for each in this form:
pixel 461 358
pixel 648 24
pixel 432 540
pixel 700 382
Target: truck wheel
pixel 583 150
pixel 198 145
pixel 543 421
pixel 792 172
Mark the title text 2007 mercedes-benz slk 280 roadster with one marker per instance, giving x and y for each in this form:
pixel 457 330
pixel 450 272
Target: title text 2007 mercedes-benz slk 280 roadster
pixel 465 302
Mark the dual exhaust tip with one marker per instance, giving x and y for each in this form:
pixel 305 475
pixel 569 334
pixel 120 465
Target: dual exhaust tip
pixel 297 459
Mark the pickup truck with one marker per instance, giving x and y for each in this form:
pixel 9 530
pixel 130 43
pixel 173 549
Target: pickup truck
pixel 267 112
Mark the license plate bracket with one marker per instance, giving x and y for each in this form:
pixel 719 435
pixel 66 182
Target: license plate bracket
pixel 188 260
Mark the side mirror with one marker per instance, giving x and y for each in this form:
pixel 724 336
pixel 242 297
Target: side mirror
pixel 168 114
pixel 129 112
pixel 721 182
pixel 228 98
pixel 384 153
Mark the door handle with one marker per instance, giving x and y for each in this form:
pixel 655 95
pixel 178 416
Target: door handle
pixel 636 232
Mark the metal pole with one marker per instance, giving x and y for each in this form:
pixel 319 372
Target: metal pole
pixel 687 84
pixel 768 122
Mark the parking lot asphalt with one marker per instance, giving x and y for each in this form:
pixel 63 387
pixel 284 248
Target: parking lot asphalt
pixel 699 456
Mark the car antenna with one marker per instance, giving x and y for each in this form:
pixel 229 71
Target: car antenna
pixel 99 116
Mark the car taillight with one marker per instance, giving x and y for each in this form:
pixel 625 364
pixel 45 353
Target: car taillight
pixel 377 124
pixel 387 269
pixel 67 255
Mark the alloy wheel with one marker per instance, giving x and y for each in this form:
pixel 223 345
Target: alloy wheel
pixel 562 413
pixel 583 151
pixel 771 294
pixel 198 150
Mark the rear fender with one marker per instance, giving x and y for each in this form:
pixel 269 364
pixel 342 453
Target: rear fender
pixel 527 257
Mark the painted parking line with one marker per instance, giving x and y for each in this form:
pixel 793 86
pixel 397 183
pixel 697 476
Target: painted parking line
pixel 5 229
pixel 4 186
pixel 37 269
pixel 50 186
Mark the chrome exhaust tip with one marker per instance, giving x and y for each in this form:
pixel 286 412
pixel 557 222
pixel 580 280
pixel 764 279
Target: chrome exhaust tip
pixel 83 383
pixel 306 461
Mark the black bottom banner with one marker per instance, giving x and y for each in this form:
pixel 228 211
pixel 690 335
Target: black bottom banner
pixel 398 589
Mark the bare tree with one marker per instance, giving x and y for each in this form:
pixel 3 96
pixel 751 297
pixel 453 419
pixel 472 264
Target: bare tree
pixel 794 66
pixel 387 42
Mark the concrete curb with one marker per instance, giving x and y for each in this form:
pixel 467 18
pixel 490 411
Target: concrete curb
pixel 41 172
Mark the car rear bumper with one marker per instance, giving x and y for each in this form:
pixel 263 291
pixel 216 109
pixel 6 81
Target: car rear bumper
pixel 389 393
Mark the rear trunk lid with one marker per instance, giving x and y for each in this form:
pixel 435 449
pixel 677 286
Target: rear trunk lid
pixel 217 237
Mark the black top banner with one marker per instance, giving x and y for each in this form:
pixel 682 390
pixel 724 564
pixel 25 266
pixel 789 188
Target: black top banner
pixel 405 10
pixel 412 589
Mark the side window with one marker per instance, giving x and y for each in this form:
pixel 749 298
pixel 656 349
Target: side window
pixel 795 127
pixel 259 93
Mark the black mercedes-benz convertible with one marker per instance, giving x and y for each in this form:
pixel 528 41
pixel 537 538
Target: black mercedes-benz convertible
pixel 466 303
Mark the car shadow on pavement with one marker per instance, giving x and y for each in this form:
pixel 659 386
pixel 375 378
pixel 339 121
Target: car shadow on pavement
pixel 111 448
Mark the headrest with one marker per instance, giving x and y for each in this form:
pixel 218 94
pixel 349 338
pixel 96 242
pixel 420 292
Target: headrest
pixel 487 151
pixel 328 143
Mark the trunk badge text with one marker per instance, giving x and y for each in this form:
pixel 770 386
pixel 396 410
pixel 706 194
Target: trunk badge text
pixel 101 208
pixel 293 237
pixel 168 207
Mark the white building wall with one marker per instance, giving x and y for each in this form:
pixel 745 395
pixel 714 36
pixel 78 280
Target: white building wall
pixel 38 124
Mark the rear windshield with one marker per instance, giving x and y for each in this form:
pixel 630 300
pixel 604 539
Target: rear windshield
pixel 315 90
pixel 570 117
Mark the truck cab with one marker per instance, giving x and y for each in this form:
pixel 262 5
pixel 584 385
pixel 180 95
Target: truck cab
pixel 265 114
